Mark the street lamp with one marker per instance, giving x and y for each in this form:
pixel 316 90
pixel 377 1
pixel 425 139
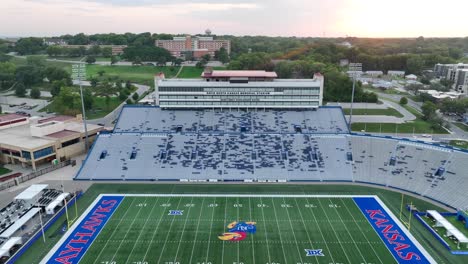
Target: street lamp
pixel 354 68
pixel 79 73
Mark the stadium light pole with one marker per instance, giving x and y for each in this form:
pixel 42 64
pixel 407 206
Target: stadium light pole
pixel 354 68
pixel 79 72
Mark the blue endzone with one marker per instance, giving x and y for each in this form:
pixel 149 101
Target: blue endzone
pixel 78 242
pixel 402 248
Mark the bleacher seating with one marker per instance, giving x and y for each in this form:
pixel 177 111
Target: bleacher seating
pixel 270 145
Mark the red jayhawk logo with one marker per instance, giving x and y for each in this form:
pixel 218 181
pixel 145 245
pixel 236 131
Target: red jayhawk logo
pixel 238 231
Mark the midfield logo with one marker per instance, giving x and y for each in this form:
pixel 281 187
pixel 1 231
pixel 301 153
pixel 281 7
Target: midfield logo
pixel 314 252
pixel 238 231
pixel 176 212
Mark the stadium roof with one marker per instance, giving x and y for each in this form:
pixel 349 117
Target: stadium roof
pixel 237 74
pixel 31 192
pixel 306 83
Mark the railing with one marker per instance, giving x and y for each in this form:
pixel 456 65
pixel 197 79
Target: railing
pixel 35 174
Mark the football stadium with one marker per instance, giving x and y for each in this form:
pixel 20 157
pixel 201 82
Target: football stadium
pixel 257 184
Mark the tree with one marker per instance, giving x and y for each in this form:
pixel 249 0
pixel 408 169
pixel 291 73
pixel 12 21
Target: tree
pixel 455 53
pixel 252 61
pixel 438 87
pixel 177 62
pixel 90 59
pixel 403 100
pixel 429 110
pixel 136 61
pixel 35 93
pixel 101 73
pixel 201 64
pixel 162 61
pixel 146 53
pixel 135 97
pixel 56 87
pixel 20 90
pixel 88 98
pixel 54 51
pixel 36 61
pixel 7 74
pixel 415 64
pixel 94 82
pixel 206 57
pixel 222 55
pixel 114 60
pixel 128 85
pixel 29 75
pixel 95 50
pixel 414 87
pixel 0 109
pixel 53 73
pixel 129 101
pixel 106 52
pixel 29 45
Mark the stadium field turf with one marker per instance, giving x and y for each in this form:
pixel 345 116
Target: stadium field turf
pixel 35 253
pixel 195 229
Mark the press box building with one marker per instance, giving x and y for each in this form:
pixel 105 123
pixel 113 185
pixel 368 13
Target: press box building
pixel 238 89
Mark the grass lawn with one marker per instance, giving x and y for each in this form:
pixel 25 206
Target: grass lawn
pixel 386 112
pixel 4 170
pixel 136 74
pixel 385 91
pixel 100 109
pixel 442 231
pixel 459 144
pixel 139 220
pixel 418 126
pixel 461 126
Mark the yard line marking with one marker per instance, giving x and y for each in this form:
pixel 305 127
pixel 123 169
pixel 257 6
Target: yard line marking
pixel 156 230
pixel 334 232
pixel 143 228
pixel 183 230
pixel 307 232
pixel 126 233
pixel 279 231
pixel 224 242
pixel 196 232
pixel 112 234
pixel 361 231
pixel 294 234
pixel 266 233
pixel 167 236
pixel 251 237
pixel 347 230
pixel 209 236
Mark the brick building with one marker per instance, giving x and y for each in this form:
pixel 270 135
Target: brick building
pixel 196 46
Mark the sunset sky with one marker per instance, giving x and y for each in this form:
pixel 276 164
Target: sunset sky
pixel 330 18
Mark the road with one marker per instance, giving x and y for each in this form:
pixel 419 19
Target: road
pixel 456 132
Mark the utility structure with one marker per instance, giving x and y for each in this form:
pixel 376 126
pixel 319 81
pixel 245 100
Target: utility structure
pixel 79 73
pixel 354 68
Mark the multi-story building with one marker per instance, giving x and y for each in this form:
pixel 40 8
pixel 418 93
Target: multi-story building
pixel 461 82
pixel 196 46
pixel 456 73
pixel 31 142
pixel 239 89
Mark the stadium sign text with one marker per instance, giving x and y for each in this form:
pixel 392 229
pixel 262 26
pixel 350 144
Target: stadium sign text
pixel 393 235
pixel 73 249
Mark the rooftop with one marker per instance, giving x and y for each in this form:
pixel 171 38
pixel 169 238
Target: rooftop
pixel 10 117
pixel 245 74
pixel 60 118
pixel 62 134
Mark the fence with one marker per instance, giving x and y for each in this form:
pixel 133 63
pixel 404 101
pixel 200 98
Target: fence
pixel 35 174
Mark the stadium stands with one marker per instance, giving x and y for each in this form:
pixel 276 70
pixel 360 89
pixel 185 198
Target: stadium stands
pixel 272 145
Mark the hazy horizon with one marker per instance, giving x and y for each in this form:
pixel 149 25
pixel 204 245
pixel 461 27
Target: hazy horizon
pixel 300 18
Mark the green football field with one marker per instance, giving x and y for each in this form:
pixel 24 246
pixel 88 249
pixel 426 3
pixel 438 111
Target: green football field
pixel 142 231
